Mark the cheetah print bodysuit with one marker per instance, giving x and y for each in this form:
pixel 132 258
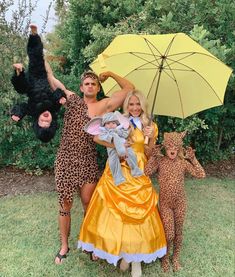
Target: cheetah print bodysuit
pixel 172 197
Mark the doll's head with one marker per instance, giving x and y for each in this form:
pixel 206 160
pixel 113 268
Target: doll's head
pixel 45 134
pixel 173 144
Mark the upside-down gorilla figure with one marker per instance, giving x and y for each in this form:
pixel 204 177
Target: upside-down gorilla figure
pixel 44 100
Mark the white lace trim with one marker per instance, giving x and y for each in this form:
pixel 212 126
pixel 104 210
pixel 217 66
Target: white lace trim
pixel 112 259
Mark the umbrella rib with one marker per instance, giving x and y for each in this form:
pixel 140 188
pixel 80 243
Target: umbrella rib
pixel 157 73
pixel 177 61
pixel 163 57
pixel 154 47
pixel 125 76
pixel 150 62
pixel 130 52
pixel 155 95
pixel 160 71
pixel 148 44
pixel 175 80
pixel 191 69
pixel 177 69
pixel 147 54
pixel 193 53
pixel 169 46
pixel 181 103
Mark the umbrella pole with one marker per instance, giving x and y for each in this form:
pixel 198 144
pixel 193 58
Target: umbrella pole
pixel 146 140
pixel 158 81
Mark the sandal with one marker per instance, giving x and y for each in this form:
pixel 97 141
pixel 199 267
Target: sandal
pixel 86 252
pixel 93 257
pixel 62 257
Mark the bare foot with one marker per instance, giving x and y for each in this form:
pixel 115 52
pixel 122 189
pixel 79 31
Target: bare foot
pixel 124 265
pixel 33 28
pixel 94 258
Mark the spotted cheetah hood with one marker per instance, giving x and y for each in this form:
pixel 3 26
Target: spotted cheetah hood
pixel 173 139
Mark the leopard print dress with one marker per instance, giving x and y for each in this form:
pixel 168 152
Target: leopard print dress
pixel 76 161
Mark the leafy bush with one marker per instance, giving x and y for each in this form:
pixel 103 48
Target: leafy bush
pixel 82 34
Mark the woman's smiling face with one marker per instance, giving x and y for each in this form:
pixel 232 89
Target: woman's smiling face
pixel 134 106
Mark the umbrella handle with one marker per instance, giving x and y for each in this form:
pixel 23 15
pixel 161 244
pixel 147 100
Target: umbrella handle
pixel 146 140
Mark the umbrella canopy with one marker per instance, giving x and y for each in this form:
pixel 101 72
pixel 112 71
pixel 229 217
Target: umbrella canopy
pixel 177 75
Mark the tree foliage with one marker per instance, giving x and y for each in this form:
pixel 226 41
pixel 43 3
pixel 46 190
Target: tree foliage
pixel 18 145
pixel 210 23
pixel 83 31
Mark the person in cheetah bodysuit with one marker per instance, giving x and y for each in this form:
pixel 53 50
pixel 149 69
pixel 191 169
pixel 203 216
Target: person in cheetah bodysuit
pixel 171 169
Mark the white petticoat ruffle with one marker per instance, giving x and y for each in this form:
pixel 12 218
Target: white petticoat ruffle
pixel 112 259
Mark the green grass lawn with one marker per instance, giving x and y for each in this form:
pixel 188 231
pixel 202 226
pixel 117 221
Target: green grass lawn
pixel 29 236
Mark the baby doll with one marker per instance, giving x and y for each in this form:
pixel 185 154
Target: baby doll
pixel 171 169
pixel 43 103
pixel 113 128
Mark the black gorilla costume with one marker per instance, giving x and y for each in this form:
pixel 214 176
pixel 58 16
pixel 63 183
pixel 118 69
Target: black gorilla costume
pixel 35 85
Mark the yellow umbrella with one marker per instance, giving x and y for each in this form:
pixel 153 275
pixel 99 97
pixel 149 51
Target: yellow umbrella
pixel 178 76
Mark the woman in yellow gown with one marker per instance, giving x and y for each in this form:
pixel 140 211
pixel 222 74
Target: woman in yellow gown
pixel 122 222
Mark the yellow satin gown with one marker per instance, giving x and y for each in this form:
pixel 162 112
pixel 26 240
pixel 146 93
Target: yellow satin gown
pixel 123 221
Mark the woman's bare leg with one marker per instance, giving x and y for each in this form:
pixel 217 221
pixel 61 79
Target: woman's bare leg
pixel 86 192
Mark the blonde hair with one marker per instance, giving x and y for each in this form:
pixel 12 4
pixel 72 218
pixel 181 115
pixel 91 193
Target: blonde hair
pixel 144 116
